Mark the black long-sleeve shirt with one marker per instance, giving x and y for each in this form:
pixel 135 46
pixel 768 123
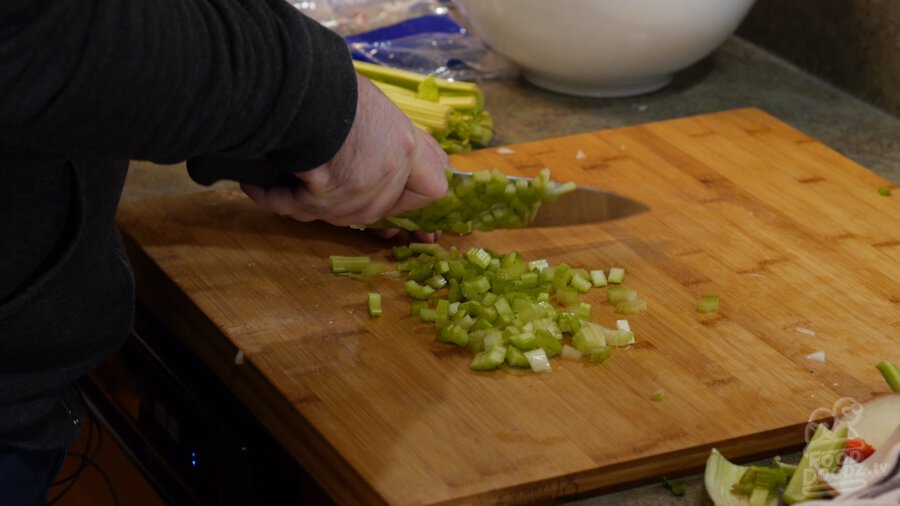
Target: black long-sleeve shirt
pixel 86 86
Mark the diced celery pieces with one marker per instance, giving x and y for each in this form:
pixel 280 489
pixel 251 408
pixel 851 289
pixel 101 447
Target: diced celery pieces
pixel 453 333
pixel 658 395
pixel 631 306
pixel 580 283
pixel 620 293
pixel 589 338
pixel 402 252
pixel 598 278
pixel 342 264
pixel 708 303
pixel 538 265
pixel 437 282
pixel 374 304
pixel 524 341
pixel 489 359
pixel 548 342
pixel 516 357
pixel 567 296
pixel 600 354
pixel 538 360
pixel 427 314
pixel 616 275
pixel 415 307
pixel 479 257
pixel 618 337
pixel 417 291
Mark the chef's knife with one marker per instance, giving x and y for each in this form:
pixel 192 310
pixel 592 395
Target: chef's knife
pixel 581 206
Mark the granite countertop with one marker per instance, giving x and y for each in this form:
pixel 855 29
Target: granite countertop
pixel 737 75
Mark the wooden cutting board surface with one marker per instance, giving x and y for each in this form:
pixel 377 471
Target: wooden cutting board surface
pixel 791 235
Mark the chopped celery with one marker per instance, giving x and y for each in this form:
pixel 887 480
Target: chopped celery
pixel 708 303
pixel 891 374
pixel 658 395
pixel 489 359
pixel 342 264
pixel 499 306
pixel 674 486
pixel 516 357
pixel 618 337
pixel 884 191
pixel 374 304
pixel 616 275
pixel 598 278
pixel 620 293
pixel 600 354
pixel 631 306
pixel 538 360
pixel 485 201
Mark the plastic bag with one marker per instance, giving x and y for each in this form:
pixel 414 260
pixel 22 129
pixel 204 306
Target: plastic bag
pixel 348 17
pixel 417 35
pixel 433 44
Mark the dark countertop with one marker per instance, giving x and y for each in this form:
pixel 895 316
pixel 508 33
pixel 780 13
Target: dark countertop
pixel 738 75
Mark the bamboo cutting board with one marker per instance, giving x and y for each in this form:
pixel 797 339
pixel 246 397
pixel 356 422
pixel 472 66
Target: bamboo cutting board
pixel 792 236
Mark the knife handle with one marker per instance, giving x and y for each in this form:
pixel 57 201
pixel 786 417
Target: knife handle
pixel 259 172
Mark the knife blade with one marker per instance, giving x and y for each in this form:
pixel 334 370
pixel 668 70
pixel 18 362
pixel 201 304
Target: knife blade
pixel 586 205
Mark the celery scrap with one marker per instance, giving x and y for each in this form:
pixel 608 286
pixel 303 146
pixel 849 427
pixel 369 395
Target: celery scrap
pixel 708 303
pixel 891 374
pixel 374 304
pixel 674 486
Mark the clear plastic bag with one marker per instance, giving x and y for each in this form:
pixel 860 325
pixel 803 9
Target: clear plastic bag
pixel 417 35
pixel 348 17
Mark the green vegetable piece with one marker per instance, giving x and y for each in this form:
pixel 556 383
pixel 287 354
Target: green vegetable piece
pixel 891 374
pixel 581 283
pixel 428 315
pixel 416 306
pixel 417 291
pixel 516 357
pixel 884 191
pixel 567 296
pixel 489 359
pixel 618 337
pixel 616 275
pixel 600 354
pixel 823 450
pixel 708 303
pixel 598 278
pixel 550 344
pixel 372 269
pixel 479 257
pixel 342 264
pixel 588 338
pixel 453 333
pixel 631 306
pixel 402 252
pixel 374 304
pixel 620 293
pixel 675 486
pixel 658 395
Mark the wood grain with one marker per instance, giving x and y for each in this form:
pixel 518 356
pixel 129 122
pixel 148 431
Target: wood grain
pixel 789 233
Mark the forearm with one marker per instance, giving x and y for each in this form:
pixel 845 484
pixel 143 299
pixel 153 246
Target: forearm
pixel 168 80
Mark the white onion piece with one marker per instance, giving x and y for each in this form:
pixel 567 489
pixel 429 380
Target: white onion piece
pixel 818 356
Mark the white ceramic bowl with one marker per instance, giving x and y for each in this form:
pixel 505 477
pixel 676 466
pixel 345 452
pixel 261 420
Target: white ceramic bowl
pixel 603 48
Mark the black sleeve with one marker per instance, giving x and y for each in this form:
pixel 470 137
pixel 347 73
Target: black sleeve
pixel 172 80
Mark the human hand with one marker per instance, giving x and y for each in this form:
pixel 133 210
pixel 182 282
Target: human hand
pixel 385 167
